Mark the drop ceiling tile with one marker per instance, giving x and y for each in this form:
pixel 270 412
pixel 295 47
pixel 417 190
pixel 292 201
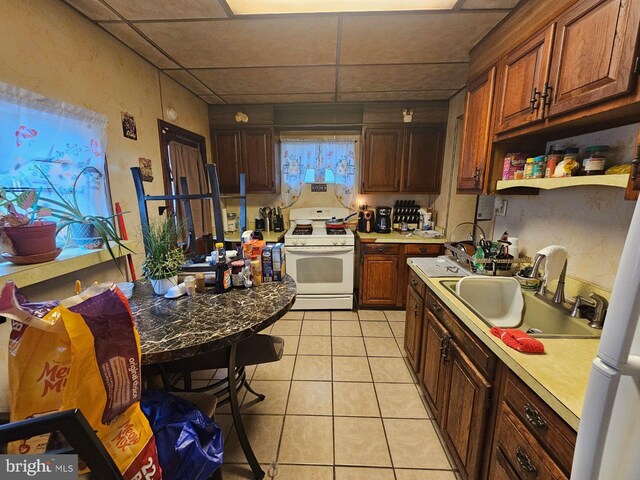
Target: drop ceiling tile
pixel 186 79
pixel 396 96
pixel 489 4
pixel 415 38
pixel 437 76
pixel 131 38
pixel 248 43
pixel 282 98
pixel 93 9
pixel 269 80
pixel 212 99
pixel 167 9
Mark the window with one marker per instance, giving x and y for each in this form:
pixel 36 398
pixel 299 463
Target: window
pixel 59 139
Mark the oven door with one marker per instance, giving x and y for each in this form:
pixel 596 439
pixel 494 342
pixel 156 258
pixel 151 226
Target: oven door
pixel 321 270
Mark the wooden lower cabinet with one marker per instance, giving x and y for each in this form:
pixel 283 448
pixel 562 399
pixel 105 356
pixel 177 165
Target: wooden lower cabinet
pixel 377 287
pixel 493 425
pixel 413 327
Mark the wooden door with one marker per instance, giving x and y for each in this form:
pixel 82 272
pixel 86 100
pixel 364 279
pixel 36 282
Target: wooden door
pixel 432 368
pixel 594 53
pixel 258 160
pixel 413 328
pixel 382 159
pixel 476 137
pixel 422 160
pixel 523 75
pixel 376 280
pixel 227 152
pixel 466 410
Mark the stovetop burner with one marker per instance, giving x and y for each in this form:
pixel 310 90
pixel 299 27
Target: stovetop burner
pixel 303 230
pixel 336 231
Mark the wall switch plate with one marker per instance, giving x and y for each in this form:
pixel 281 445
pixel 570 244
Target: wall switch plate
pixel 501 207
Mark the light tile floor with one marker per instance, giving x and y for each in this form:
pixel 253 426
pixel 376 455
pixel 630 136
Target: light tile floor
pixel 342 404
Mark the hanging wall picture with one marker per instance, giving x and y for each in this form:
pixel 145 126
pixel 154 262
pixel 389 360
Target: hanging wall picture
pixel 129 126
pixel 145 169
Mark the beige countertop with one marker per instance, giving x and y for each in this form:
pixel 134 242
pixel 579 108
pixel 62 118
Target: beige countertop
pixel 559 376
pixel 397 237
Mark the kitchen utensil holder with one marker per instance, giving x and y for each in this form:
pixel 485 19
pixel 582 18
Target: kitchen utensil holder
pixel 507 265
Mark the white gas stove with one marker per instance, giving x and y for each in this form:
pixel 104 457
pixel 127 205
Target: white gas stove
pixel 320 258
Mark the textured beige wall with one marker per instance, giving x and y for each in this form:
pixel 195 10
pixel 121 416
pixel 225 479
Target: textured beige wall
pixel 452 208
pixel 50 49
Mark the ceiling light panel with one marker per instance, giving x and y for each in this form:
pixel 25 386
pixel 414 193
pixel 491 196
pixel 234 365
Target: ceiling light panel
pixel 270 7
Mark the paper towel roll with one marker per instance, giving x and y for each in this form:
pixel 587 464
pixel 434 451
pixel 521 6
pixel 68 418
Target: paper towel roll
pixel 514 248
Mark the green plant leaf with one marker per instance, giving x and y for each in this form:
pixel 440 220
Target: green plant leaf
pixel 27 199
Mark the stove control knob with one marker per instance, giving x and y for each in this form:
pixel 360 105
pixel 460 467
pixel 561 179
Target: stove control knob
pixel 335 242
pixel 296 242
pixel 343 242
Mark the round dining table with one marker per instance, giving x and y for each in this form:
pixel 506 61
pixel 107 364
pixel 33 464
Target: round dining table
pixel 185 327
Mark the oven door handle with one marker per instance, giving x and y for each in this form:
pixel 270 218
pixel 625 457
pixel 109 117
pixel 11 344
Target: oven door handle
pixel 316 250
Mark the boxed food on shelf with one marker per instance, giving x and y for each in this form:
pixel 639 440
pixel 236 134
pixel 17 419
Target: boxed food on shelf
pixel 278 262
pixel 267 263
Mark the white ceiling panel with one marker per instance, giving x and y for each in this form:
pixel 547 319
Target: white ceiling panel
pixel 282 98
pixel 93 9
pixel 468 4
pixel 123 32
pixel 189 81
pixel 167 9
pixel 402 78
pixel 248 43
pixel 269 80
pixel 416 38
pixel 396 96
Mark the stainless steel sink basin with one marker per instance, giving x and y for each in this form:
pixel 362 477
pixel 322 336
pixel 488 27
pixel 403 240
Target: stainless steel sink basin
pixel 539 318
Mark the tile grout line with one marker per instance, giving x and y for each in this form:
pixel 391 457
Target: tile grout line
pixel 333 403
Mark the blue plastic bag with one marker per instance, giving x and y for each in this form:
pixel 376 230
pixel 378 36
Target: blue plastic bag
pixel 189 443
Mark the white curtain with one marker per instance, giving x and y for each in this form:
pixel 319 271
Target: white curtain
pixel 60 139
pixel 298 156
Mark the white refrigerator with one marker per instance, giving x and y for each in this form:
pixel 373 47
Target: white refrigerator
pixel 608 446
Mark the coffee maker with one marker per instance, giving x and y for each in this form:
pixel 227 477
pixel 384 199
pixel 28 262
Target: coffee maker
pixel 366 221
pixel 383 219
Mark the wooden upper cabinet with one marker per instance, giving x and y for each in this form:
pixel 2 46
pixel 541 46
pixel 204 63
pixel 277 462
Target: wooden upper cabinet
pixel 249 151
pixel 382 160
pixel 227 151
pixel 594 53
pixel 258 159
pixel 522 78
pixel 476 137
pixel 422 165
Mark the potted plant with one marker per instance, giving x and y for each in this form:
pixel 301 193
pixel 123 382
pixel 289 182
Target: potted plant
pixel 163 255
pixel 88 231
pixel 25 237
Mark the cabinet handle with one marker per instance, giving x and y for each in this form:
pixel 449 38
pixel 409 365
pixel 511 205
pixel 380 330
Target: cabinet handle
pixel 535 96
pixel 423 249
pixel 382 249
pixel 436 306
pixel 444 347
pixel 545 96
pixel 415 311
pixel 414 282
pixel 525 462
pixel 533 416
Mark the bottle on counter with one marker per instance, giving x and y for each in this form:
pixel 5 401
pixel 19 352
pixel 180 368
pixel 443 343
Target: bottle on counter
pixel 256 270
pixel 223 272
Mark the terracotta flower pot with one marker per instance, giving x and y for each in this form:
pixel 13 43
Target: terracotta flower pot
pixel 33 239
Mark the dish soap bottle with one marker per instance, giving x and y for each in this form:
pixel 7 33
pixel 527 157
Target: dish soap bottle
pixel 223 272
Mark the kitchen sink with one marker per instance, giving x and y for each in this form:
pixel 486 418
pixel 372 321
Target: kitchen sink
pixel 539 319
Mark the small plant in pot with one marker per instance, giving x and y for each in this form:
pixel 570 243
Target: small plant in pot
pixel 25 237
pixel 163 255
pixel 88 231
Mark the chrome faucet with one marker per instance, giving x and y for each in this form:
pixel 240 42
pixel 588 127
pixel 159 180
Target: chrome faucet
pixel 600 305
pixel 558 297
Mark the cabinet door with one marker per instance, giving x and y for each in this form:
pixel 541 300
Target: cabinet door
pixel 522 80
pixel 593 53
pixel 227 152
pixel 476 137
pixel 466 410
pixel 433 374
pixel 633 188
pixel 413 328
pixel 382 160
pixel 258 160
pixel 422 163
pixel 376 281
pixel 501 468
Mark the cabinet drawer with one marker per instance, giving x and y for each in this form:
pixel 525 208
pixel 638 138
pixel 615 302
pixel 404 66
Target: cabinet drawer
pixel 422 249
pixel 478 352
pixel 381 248
pixel 543 423
pixel 417 284
pixel 519 447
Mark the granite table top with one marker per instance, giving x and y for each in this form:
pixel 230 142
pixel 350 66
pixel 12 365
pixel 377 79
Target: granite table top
pixel 188 326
